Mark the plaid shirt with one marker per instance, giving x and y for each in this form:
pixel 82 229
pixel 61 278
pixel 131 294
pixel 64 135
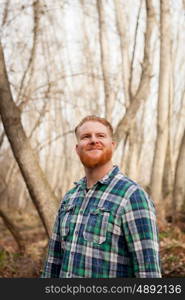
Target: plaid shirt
pixel 108 231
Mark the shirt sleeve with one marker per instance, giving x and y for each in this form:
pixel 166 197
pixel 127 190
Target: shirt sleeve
pixel 53 259
pixel 141 233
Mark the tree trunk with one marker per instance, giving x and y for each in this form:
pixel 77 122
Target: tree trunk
pixel 179 185
pixel 124 45
pixel 105 61
pixel 38 187
pixel 141 94
pixel 163 107
pixel 133 153
pixel 14 231
pixel 169 165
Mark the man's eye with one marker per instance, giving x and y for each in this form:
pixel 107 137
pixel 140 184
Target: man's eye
pixel 101 135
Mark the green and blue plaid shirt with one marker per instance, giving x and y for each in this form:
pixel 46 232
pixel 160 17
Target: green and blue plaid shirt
pixel 108 231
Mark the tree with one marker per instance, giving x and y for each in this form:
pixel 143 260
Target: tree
pixel 179 184
pixel 163 106
pixel 38 187
pixel 105 60
pixel 143 89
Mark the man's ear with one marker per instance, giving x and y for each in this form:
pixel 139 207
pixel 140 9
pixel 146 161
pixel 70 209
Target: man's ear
pixel 114 144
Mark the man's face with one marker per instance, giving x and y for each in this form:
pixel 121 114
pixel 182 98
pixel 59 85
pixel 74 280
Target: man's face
pixel 95 145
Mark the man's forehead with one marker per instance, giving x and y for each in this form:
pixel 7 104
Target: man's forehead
pixel 92 126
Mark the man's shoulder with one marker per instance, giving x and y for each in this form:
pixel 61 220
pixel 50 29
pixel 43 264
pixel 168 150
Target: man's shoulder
pixel 71 191
pixel 65 199
pixel 122 179
pixel 135 193
pixel 127 186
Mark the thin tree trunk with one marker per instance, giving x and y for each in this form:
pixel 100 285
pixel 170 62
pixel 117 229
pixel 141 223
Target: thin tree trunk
pixel 91 65
pixel 178 204
pixel 125 123
pixel 105 58
pixel 169 166
pixel 124 45
pixel 133 153
pixel 2 138
pixel 38 187
pixel 163 106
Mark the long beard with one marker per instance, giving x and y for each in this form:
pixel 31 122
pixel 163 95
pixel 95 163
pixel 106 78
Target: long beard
pixel 92 162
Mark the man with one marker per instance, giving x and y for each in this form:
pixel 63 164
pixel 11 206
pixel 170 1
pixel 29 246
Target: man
pixel 106 225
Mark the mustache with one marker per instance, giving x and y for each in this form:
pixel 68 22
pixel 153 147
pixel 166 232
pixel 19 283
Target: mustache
pixel 94 148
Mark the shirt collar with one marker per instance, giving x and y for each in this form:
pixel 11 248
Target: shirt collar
pixel 105 180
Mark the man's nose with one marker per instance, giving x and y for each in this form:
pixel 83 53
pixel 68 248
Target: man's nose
pixel 93 139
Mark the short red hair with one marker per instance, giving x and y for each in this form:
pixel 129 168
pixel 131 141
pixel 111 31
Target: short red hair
pixel 94 118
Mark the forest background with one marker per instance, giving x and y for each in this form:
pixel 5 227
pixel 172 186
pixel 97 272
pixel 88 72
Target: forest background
pixel 62 60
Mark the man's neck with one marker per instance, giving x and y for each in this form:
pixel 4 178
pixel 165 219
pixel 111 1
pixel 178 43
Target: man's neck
pixel 95 174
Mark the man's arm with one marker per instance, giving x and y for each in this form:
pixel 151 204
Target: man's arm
pixel 53 260
pixel 140 229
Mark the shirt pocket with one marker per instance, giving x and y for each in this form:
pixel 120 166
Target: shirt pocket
pixel 65 219
pixel 96 226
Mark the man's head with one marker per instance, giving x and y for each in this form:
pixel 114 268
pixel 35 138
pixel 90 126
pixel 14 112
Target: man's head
pixel 95 143
pixel 94 118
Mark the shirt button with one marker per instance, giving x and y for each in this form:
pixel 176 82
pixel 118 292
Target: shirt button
pixel 76 232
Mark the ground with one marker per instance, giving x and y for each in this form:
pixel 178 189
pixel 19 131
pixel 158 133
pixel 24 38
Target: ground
pixel 28 265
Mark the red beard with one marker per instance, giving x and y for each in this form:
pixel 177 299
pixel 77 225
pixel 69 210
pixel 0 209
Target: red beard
pixel 97 160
